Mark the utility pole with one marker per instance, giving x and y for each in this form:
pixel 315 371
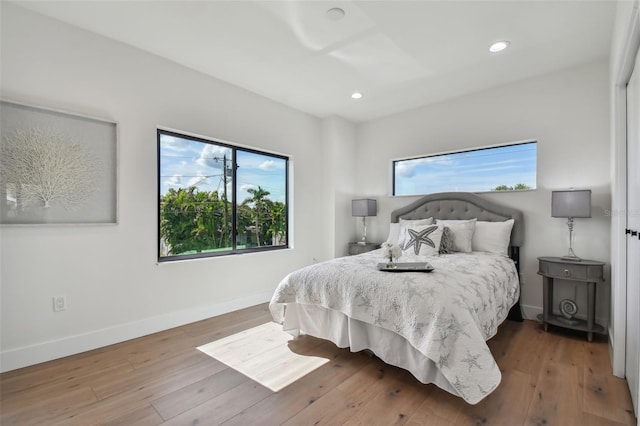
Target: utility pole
pixel 224 190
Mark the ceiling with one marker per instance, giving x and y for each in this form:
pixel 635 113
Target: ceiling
pixel 400 54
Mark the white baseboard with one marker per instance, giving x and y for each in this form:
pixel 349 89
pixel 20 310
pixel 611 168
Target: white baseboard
pixel 54 349
pixel 530 312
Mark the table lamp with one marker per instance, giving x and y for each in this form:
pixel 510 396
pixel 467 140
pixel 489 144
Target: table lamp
pixel 571 204
pixel 363 208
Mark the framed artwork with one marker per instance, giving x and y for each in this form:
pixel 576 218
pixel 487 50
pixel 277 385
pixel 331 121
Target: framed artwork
pixel 56 167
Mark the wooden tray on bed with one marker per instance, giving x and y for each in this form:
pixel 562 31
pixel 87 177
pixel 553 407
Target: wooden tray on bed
pixel 407 267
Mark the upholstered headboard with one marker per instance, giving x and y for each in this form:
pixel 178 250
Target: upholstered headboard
pixel 465 205
pixel 462 205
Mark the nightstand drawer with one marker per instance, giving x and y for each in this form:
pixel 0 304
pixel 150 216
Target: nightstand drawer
pixel 576 272
pixel 579 271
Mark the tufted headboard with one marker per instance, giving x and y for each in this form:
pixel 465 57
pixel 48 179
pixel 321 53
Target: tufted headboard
pixel 462 205
pixel 465 205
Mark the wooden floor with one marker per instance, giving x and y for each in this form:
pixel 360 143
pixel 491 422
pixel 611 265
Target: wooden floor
pixel 547 379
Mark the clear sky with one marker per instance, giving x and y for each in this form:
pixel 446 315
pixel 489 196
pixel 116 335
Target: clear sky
pixel 185 163
pixel 472 171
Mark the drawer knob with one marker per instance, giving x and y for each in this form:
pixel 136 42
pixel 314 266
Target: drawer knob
pixel 567 273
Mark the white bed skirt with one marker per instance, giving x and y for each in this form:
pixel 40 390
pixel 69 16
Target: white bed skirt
pixel 346 332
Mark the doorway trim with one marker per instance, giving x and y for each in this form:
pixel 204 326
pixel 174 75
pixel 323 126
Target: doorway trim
pixel 626 59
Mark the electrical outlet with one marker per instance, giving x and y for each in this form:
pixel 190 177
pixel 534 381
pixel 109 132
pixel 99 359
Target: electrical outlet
pixel 59 303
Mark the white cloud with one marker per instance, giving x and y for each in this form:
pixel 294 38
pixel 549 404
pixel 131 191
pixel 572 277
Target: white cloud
pixel 270 165
pixel 213 155
pixel 246 187
pixel 174 144
pixel 407 168
pixel 173 182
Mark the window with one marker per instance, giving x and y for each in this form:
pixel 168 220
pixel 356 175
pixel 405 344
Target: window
pixel 218 199
pixel 501 168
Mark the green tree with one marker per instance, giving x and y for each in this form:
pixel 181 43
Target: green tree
pixel 520 187
pixel 244 221
pixel 192 220
pixel 517 187
pixel 277 225
pixel 257 202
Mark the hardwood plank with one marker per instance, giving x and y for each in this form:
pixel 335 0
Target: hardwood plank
pixel 63 383
pixel 607 397
pixel 592 420
pixel 225 406
pixel 139 395
pixel 161 349
pixel 340 404
pixel 394 404
pixel 558 396
pixel 528 349
pixel 195 394
pixel 69 370
pixel 439 405
pixel 569 350
pixel 231 319
pixel 507 405
pixel 37 411
pixel 146 416
pixel 123 381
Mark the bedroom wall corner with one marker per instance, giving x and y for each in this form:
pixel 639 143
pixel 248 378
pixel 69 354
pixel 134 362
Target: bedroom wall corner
pixel 338 137
pixel 566 112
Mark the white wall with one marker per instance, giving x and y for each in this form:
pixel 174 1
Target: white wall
pixel 566 112
pixel 114 288
pixel 339 140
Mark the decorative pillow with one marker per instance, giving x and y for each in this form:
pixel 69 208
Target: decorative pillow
pixel 446 243
pixel 394 233
pixel 405 223
pixel 422 240
pixel 463 231
pixel 492 237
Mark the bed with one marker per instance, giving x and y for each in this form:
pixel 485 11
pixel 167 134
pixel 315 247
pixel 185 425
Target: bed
pixel 433 324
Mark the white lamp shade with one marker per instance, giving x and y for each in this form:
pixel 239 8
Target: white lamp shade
pixel 571 203
pixel 363 208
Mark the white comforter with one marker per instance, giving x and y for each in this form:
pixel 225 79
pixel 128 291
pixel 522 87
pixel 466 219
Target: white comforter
pixel 447 314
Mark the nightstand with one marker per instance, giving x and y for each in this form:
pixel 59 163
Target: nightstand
pixel 587 272
pixel 355 248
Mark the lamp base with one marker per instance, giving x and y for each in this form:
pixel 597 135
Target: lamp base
pixel 571 258
pixel 362 243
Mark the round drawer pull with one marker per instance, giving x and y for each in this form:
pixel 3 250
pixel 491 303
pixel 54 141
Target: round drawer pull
pixel 567 273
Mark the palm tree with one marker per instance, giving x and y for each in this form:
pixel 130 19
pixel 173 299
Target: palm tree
pixel 257 199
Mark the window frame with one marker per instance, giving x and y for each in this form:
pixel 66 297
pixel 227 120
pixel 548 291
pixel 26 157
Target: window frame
pixel 484 148
pixel 234 234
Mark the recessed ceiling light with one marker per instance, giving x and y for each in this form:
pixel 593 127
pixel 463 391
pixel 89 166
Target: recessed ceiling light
pixel 499 46
pixel 335 14
pixel 356 95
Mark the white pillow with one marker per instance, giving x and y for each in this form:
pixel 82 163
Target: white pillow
pixel 405 223
pixel 492 237
pixel 422 241
pixel 463 231
pixel 394 233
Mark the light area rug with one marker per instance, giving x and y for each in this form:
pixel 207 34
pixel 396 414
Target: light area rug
pixel 262 353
